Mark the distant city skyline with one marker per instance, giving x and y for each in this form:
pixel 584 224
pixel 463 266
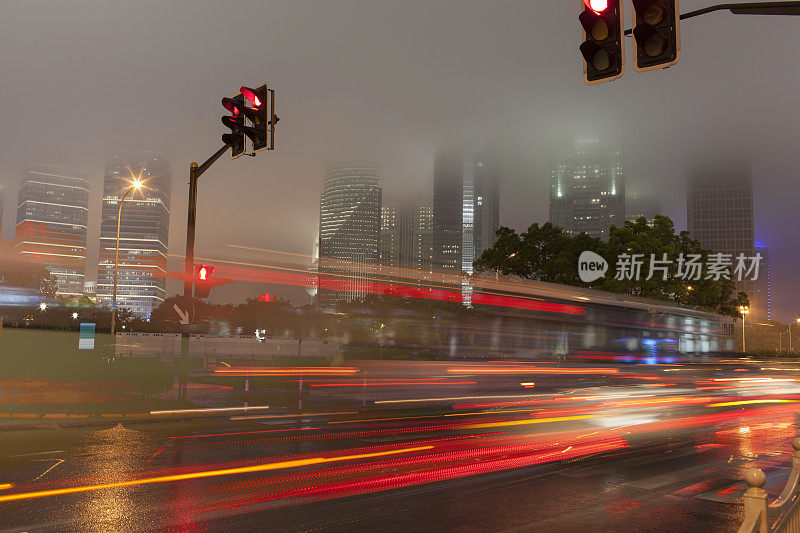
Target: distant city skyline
pixel 639 201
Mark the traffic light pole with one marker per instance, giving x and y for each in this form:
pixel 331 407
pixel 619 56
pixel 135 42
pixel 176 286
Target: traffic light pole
pixel 746 8
pixel 195 172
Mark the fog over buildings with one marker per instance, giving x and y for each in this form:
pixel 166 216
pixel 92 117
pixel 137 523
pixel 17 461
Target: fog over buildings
pixel 395 80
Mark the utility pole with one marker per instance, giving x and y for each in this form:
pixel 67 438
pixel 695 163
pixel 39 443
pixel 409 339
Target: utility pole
pixel 261 133
pixel 195 172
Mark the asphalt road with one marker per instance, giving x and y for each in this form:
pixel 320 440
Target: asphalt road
pixel 426 447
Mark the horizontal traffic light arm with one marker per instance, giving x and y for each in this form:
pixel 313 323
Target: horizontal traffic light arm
pixel 746 8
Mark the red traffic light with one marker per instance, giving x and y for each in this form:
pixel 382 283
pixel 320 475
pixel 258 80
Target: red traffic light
pixel 204 272
pixel 231 106
pixel 598 6
pixel 254 96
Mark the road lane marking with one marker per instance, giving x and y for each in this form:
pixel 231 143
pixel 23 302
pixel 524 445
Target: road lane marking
pixel 208 473
pixel 37 453
pixel 58 462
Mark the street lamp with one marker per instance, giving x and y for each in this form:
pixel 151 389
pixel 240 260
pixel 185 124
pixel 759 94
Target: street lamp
pixel 743 310
pixel 790 333
pixel 43 306
pixel 136 184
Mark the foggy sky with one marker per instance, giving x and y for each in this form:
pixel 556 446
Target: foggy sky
pixel 391 80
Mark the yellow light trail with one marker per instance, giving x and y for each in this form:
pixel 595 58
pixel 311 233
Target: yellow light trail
pixel 527 396
pixel 208 473
pixel 210 410
pixel 296 415
pixel 749 402
pixel 526 422
pixel 499 412
pixel 6 486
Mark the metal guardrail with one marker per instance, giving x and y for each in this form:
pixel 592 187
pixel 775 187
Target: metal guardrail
pixel 784 512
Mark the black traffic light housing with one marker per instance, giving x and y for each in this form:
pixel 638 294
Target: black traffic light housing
pixel 235 121
pixel 202 281
pixel 656 34
pixel 258 115
pixel 603 46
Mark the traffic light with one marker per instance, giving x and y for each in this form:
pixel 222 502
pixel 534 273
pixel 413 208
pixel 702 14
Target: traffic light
pixel 603 47
pixel 656 34
pixel 235 122
pixel 258 115
pixel 202 281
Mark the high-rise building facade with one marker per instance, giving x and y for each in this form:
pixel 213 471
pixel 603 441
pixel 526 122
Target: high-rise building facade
pixel 52 217
pixel 389 247
pixel 719 209
pixel 349 231
pixel 761 303
pixel 466 207
pixel 587 188
pixel 143 231
pixel 407 236
pixel 422 247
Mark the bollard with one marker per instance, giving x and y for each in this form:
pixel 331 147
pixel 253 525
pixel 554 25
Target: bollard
pixel 755 498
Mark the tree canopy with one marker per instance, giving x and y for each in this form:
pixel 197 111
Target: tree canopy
pixel 547 253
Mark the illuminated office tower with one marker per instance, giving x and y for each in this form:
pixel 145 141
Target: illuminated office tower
pixel 422 247
pixel 466 208
pixel 761 303
pixel 349 231
pixel 52 215
pixel 587 188
pixel 144 231
pixel 407 235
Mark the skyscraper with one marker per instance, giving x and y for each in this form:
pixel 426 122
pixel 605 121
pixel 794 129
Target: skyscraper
pixel 52 216
pixel 587 188
pixel 423 238
pixel 406 235
pixel 761 302
pixel 466 207
pixel 719 209
pixel 144 231
pixel 349 230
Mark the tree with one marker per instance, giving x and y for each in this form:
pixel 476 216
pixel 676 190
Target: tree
pixel 547 253
pixel 541 253
pixel 17 271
